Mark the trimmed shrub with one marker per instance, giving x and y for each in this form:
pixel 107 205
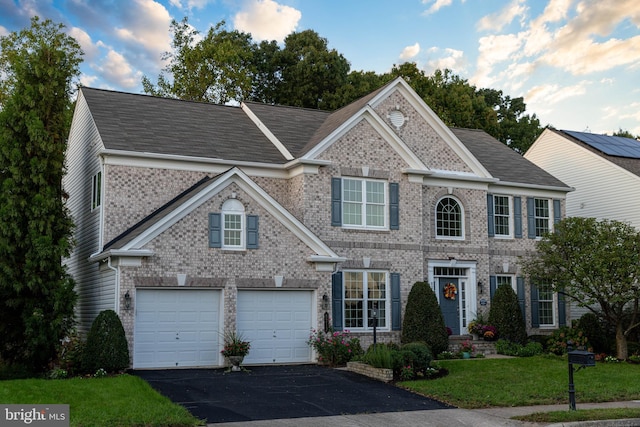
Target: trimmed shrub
pixel 106 346
pixel 379 356
pixel 510 348
pixel 71 353
pixel 423 320
pixel 557 343
pixel 335 348
pixel 506 316
pixel 422 355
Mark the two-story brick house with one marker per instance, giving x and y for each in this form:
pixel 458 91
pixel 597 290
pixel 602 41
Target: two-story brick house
pixel 195 218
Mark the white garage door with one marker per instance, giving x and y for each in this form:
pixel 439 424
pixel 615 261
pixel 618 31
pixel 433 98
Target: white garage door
pixel 176 328
pixel 277 323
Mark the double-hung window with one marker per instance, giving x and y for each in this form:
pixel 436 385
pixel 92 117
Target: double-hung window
pixel 502 216
pixel 232 225
pixel 542 216
pixel 365 291
pixel 96 190
pixel 364 203
pixel 546 297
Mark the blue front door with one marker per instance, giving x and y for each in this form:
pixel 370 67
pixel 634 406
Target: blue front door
pixel 450 303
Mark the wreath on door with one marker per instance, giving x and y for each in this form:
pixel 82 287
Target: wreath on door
pixel 450 291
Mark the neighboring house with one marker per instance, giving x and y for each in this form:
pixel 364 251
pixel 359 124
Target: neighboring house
pixel 604 170
pixel 194 218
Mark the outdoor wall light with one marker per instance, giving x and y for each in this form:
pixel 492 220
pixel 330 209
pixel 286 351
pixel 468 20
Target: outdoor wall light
pixel 480 286
pixel 127 301
pixel 325 302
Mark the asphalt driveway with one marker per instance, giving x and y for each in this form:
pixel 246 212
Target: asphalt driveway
pixel 276 392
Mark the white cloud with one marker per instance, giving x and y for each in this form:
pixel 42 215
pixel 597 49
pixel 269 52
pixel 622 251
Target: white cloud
pixel 116 70
pixel 90 50
pixel 147 24
pixel 495 49
pixel 410 52
pixel 436 6
pixel 552 93
pixel 452 59
pixel 4 31
pixel 267 20
pixel 497 21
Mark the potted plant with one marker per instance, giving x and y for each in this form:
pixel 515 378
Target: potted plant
pixel 466 348
pixel 235 349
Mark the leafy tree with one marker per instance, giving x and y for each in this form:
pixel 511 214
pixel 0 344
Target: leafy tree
pixel 38 65
pixel 219 68
pixel 423 320
pixel 311 73
pixel 597 264
pixel 625 134
pixel 506 316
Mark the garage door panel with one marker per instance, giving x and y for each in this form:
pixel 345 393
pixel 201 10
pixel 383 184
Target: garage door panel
pixel 176 328
pixel 277 323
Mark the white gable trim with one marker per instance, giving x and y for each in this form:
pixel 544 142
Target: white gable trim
pixel 367 113
pixel 238 177
pixel 434 121
pixel 265 130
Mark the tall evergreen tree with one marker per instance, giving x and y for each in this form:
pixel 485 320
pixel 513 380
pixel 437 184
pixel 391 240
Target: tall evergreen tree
pixel 37 66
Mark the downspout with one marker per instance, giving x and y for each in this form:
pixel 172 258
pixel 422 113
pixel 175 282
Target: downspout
pixel 117 292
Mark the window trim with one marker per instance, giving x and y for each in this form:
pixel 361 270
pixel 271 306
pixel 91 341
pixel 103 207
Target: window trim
pixel 96 191
pixel 510 217
pixel 462 219
pixel 365 301
pixel 364 203
pixel 233 207
pixel 553 301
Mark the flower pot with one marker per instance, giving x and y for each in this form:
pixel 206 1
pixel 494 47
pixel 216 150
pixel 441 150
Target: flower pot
pixel 235 362
pixel 466 355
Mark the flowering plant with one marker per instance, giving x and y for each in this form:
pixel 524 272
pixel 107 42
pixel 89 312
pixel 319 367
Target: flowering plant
pixel 467 347
pixel 334 347
pixel 235 345
pixel 489 332
pixel 407 373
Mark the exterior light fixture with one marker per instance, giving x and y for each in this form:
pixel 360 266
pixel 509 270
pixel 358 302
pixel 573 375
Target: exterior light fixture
pixel 127 301
pixel 479 286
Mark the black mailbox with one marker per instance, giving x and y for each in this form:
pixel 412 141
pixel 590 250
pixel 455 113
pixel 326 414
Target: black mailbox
pixel 582 358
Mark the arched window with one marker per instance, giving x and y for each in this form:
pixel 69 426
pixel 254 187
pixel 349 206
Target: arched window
pixel 233 224
pixel 449 219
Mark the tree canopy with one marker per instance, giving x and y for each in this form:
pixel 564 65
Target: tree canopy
pixel 228 66
pixel 38 65
pixel 596 264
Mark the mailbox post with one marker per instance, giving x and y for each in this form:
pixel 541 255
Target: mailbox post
pixel 582 359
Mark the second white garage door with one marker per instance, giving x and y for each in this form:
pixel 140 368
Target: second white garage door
pixel 277 323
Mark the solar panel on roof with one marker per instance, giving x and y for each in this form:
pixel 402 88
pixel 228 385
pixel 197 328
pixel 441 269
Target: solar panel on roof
pixel 611 145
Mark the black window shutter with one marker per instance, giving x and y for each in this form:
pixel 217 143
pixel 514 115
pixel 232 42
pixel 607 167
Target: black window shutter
pixel 490 222
pixel 336 202
pixel 396 306
pixel 531 218
pixel 520 288
pixel 394 206
pixel 535 319
pixel 215 231
pixel 557 214
pixel 252 231
pixel 517 217
pixel 492 286
pixel 336 299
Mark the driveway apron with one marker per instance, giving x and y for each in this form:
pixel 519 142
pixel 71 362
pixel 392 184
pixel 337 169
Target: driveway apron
pixel 277 392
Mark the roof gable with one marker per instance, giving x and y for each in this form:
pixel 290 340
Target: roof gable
pixel 162 219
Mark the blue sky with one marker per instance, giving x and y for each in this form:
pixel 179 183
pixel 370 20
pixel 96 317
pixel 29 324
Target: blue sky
pixel 575 62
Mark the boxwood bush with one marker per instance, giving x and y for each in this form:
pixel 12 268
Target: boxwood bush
pixel 106 346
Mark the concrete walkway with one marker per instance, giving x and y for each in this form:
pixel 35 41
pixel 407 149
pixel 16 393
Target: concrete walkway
pixel 447 418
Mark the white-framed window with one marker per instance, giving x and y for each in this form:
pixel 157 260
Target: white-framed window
pixel 546 302
pixel 364 203
pixel 449 219
pixel 233 228
pixel 502 216
pixel 542 215
pixel 96 190
pixel 365 291
pixel 505 280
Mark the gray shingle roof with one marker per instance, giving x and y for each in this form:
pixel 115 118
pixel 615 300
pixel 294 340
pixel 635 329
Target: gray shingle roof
pixel 502 162
pixel 143 123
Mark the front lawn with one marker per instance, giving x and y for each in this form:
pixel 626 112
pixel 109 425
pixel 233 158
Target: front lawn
pixel 123 400
pixel 539 380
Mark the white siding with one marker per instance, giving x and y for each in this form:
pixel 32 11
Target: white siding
pixel 603 189
pixel 95 292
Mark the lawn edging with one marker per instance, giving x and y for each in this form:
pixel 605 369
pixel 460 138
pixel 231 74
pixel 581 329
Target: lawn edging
pixel 380 374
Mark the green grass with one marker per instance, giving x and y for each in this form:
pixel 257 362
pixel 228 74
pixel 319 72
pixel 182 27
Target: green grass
pixel 540 380
pixel 581 415
pixel 113 401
